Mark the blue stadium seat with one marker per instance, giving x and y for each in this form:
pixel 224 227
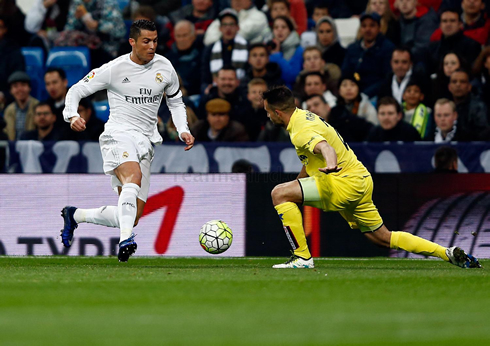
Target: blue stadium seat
pixel 123 4
pixel 34 59
pixel 102 110
pixel 74 60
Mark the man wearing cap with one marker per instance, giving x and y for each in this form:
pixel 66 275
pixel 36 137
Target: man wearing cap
pixel 369 57
pixel 218 127
pixel 253 23
pixel 231 49
pixel 19 115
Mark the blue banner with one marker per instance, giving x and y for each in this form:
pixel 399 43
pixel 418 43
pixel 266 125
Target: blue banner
pixel 85 157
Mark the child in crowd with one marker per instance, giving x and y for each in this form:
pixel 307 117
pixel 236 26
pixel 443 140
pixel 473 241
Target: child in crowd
pixel 414 111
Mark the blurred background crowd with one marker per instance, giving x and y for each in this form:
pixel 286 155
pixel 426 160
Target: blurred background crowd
pixel 377 70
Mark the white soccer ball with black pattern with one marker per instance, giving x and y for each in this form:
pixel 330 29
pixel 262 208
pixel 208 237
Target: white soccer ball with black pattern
pixel 215 237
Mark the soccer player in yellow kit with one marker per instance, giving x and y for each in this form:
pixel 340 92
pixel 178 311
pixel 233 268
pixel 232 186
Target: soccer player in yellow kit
pixel 333 179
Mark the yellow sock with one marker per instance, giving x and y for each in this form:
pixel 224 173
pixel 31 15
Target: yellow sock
pixel 292 221
pixel 412 243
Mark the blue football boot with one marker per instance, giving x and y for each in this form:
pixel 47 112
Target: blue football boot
pixel 70 225
pixel 127 248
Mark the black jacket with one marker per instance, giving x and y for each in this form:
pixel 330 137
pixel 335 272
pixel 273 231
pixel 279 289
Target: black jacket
pixel 272 77
pixel 334 54
pixel 351 127
pixel 401 132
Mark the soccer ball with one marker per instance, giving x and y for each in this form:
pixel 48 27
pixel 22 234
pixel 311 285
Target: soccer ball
pixel 215 237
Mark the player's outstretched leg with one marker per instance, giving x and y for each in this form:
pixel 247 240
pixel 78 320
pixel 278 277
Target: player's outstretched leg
pixel 69 225
pixel 283 197
pixel 411 243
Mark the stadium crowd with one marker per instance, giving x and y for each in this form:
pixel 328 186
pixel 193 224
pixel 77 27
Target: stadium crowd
pixel 414 69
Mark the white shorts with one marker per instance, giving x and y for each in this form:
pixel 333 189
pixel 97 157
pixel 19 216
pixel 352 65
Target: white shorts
pixel 118 147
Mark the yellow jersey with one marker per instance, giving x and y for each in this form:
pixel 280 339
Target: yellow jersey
pixel 306 130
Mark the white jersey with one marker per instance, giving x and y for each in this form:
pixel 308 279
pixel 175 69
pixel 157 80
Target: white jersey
pixel 134 92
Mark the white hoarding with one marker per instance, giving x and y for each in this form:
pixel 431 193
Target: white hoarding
pixel 177 207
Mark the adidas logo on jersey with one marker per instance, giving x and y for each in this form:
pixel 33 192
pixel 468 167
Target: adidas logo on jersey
pixel 126 80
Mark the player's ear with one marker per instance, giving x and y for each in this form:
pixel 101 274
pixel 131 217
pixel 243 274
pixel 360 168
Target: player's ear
pixel 132 42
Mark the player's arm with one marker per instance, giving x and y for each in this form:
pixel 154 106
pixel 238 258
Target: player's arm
pixel 329 155
pixel 96 80
pixel 177 109
pixel 303 173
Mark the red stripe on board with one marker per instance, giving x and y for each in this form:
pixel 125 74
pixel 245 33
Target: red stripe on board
pixel 311 220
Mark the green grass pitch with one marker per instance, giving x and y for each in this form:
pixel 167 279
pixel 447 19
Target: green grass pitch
pixel 241 301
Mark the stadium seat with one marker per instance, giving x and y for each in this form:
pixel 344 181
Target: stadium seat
pixel 74 60
pixel 123 4
pixel 34 59
pixel 102 110
pixel 347 29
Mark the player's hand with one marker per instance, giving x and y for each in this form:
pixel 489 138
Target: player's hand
pixel 333 169
pixel 188 139
pixel 77 124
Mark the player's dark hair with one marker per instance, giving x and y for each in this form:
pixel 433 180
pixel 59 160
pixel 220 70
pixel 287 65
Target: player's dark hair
pixel 316 95
pixel 137 26
pixel 444 159
pixel 389 101
pixel 280 97
pixel 59 70
pixel 43 103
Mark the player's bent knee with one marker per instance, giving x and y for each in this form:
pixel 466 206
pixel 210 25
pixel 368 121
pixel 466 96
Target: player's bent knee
pixel 278 194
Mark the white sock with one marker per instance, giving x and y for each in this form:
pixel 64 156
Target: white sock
pixel 126 207
pixel 105 216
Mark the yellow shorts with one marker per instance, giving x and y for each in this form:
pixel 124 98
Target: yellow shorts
pixel 351 196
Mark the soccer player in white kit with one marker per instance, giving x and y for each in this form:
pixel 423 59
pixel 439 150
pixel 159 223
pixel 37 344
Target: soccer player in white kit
pixel 135 85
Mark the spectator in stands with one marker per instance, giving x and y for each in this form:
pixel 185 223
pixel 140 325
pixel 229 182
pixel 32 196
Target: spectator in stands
pixel 298 15
pixel 481 83
pixel 402 68
pixel 351 127
pixel 259 66
pixel 315 83
pixel 185 56
pixel 199 12
pixel 414 111
pixel 476 24
pixel 328 41
pixel 391 126
pixel 227 87
pixel 11 60
pixel 12 14
pixel 286 50
pixel 231 49
pixel 3 137
pixel 44 120
pixel 336 8
pixel 446 160
pixel 472 112
pixel 253 23
pixel 440 81
pixel 96 23
pixel 390 26
pixel 415 31
pixel 57 88
pixel 218 127
pixel 370 56
pixel 45 20
pixel 313 62
pixel 319 11
pixel 256 115
pixel 316 104
pixel 354 101
pixel 447 129
pixel 94 126
pixel 162 7
pixel 19 115
pixel 452 39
